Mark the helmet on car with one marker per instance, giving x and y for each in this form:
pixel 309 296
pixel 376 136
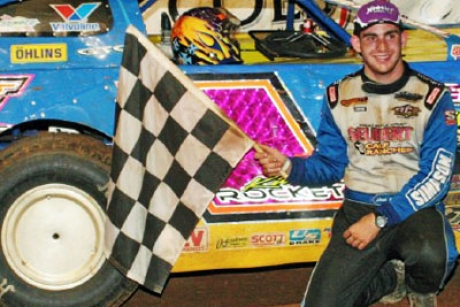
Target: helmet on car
pixel 204 36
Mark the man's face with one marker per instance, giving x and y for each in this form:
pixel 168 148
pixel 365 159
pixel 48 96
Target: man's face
pixel 380 47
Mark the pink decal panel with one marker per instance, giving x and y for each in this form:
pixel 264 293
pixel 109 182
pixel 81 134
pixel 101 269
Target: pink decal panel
pixel 255 113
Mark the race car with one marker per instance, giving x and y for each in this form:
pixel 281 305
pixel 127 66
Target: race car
pixel 60 62
pixel 289 70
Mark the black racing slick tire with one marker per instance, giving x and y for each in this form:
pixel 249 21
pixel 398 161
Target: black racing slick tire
pixel 52 213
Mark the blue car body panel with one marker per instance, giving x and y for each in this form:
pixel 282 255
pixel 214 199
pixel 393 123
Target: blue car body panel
pixel 80 89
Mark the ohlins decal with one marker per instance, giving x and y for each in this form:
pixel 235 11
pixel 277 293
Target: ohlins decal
pixel 275 189
pixel 38 53
pixel 435 182
pixel 406 111
pixel 406 96
pixel 371 140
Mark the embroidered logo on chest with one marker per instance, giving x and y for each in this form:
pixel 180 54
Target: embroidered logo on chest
pixel 406 111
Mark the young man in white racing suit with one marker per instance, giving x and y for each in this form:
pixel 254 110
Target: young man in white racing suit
pixel 390 133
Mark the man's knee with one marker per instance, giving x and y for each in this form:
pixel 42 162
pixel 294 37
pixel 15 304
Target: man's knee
pixel 425 269
pixel 422 253
pixel 425 259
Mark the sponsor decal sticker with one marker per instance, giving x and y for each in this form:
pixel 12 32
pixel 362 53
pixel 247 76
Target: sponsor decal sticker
pixel 268 239
pixel 352 101
pixel 455 51
pixel 328 232
pixel 360 109
pixel 398 133
pixel 406 111
pixel 12 86
pixel 376 140
pixel 265 190
pixel 407 96
pixel 76 19
pixel 232 242
pixel 453 216
pixel 38 53
pixel 9 24
pixel 332 94
pixel 433 96
pixel 304 236
pixel 198 241
pixel 383 148
pixel 100 51
pixel 455 91
pixel 453 197
pixel 434 183
pixel 451 117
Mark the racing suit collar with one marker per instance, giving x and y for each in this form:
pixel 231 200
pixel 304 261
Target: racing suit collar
pixel 370 86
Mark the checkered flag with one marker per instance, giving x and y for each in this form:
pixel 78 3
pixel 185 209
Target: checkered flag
pixel 173 149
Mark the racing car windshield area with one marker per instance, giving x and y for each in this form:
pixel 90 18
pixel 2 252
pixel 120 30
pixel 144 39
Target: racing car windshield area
pixel 55 18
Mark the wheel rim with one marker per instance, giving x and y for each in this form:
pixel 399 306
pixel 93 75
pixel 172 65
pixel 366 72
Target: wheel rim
pixel 53 237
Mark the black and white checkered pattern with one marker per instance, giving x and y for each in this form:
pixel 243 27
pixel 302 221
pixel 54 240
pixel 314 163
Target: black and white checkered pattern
pixel 173 149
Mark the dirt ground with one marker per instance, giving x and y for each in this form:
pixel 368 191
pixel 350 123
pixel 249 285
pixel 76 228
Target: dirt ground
pixel 268 287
